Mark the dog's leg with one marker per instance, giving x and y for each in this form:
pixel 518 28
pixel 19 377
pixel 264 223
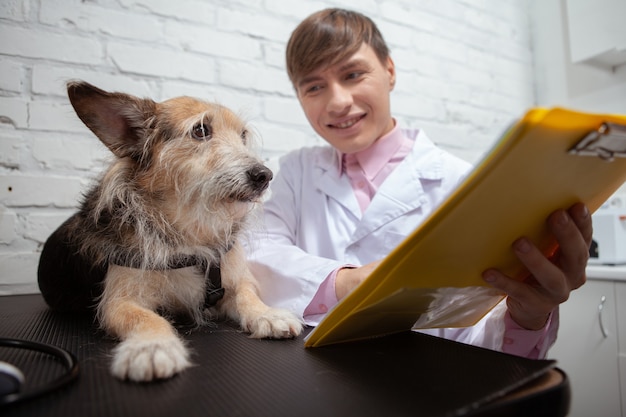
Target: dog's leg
pixel 150 348
pixel 242 303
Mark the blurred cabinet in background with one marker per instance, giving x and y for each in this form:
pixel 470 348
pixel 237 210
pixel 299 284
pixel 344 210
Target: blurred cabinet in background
pixel 591 346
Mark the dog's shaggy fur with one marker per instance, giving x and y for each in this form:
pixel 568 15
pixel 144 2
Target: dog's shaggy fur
pixel 168 210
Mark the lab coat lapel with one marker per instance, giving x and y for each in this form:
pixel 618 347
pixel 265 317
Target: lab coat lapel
pixel 336 186
pixel 402 191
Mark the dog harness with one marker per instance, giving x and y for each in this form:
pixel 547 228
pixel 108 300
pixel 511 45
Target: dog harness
pixel 214 291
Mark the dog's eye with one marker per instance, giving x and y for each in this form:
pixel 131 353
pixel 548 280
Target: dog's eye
pixel 202 131
pixel 244 136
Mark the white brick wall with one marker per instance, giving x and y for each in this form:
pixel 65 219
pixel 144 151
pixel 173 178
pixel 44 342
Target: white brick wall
pixel 464 72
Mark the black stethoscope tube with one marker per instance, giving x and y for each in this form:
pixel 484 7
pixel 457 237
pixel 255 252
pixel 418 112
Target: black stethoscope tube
pixel 68 359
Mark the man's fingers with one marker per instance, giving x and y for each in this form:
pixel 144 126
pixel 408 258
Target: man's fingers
pixel 572 230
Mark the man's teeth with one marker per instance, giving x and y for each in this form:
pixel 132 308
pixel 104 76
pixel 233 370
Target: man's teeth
pixel 347 123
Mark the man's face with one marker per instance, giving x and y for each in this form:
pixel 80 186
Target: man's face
pixel 348 103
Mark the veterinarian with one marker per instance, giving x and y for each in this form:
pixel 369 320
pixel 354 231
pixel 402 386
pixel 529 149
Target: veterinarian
pixel 336 211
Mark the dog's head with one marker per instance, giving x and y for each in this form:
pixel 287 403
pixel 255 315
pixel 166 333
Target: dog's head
pixel 184 151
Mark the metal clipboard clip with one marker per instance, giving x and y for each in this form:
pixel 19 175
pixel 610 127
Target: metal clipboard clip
pixel 608 142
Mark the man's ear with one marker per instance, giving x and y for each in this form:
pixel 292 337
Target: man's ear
pixel 391 69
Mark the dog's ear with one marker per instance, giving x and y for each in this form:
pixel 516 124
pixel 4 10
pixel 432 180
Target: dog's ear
pixel 118 120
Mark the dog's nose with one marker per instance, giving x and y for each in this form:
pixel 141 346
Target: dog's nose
pixel 260 176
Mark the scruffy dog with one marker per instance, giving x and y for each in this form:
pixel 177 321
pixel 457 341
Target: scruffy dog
pixel 157 234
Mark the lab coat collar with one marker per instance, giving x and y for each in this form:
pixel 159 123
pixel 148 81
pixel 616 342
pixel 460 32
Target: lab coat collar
pixel 332 183
pixel 400 193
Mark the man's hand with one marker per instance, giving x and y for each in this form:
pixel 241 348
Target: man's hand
pixel 531 301
pixel 348 278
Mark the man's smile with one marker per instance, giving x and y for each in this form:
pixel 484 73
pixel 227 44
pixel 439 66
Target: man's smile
pixel 347 123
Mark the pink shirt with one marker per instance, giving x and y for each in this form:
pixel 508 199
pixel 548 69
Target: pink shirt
pixel 367 170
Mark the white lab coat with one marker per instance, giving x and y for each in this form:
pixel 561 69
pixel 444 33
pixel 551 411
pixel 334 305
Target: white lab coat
pixel 313 225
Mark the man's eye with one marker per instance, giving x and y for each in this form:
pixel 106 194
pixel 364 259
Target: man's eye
pixel 202 131
pixel 353 75
pixel 313 89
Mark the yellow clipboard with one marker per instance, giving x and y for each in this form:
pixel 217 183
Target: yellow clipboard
pixel 550 159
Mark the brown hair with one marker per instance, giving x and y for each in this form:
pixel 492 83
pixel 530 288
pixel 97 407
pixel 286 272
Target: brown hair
pixel 330 36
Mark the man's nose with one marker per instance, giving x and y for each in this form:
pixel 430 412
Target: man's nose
pixel 340 98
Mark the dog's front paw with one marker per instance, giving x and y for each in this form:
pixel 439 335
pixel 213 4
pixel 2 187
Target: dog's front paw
pixel 274 323
pixel 140 359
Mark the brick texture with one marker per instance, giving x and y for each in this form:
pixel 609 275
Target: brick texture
pixel 464 73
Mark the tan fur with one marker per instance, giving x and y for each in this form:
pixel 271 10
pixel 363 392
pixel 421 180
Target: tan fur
pixel 168 193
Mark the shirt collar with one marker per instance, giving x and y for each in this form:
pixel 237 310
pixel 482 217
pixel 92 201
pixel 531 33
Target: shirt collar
pixel 374 158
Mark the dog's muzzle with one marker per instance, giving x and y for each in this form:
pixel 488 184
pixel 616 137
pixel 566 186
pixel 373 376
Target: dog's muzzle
pixel 260 177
